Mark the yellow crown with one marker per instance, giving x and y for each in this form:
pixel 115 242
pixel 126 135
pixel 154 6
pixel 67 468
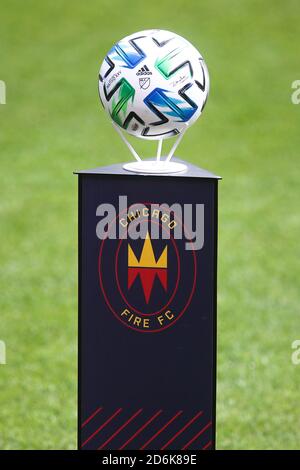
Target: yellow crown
pixel 147 259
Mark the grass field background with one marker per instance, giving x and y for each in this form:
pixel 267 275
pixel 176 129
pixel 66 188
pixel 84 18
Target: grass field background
pixel 250 134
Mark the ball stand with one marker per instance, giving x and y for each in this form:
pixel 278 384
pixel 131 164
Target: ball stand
pixel 156 166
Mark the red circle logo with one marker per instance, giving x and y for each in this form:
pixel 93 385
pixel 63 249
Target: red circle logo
pixel 149 282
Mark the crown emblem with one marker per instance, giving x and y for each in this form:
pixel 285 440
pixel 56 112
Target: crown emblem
pixel 147 267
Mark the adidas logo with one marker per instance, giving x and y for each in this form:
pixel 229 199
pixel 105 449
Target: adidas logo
pixel 144 71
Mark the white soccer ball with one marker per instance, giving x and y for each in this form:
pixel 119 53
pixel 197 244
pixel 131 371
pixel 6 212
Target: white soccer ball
pixel 153 84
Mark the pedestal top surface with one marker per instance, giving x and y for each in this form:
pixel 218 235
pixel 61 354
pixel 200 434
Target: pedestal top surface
pixel 192 171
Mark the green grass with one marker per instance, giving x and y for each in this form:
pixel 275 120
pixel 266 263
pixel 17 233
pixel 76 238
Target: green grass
pixel 250 134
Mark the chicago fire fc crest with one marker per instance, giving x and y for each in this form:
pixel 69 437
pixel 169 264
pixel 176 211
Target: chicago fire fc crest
pixel 148 283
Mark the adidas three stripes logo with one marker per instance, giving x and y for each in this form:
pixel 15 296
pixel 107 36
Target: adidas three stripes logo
pixel 144 71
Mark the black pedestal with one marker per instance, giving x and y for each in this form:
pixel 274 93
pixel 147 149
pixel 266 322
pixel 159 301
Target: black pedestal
pixel 147 310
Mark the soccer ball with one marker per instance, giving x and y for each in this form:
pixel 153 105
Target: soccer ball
pixel 153 84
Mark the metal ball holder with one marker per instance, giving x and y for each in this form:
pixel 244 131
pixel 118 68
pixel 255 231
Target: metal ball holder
pixel 153 166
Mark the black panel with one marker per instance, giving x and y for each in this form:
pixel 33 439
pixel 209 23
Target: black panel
pixel 146 389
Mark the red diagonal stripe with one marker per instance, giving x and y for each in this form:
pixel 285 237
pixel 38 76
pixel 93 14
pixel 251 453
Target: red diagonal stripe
pixel 196 436
pixel 102 426
pixel 181 430
pixel 141 429
pixel 91 417
pixel 207 446
pixel 161 430
pixel 120 428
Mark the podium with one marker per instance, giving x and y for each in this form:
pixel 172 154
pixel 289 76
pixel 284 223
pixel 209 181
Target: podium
pixel 147 309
